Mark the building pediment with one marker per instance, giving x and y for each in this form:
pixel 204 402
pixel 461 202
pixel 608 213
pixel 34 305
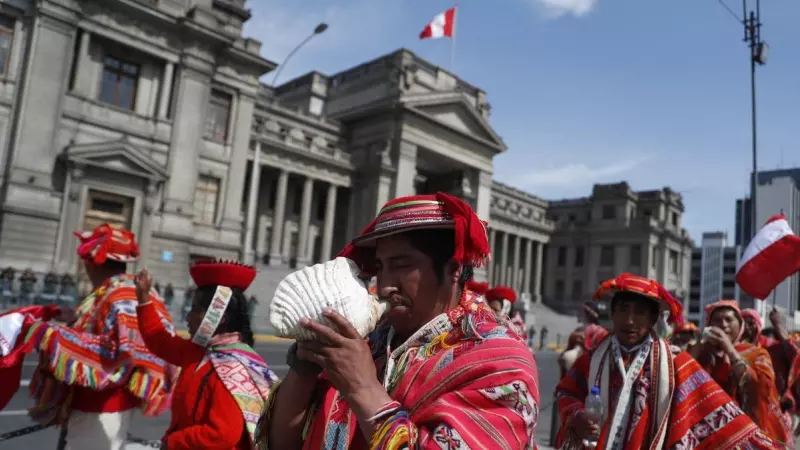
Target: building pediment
pixel 118 156
pixel 454 111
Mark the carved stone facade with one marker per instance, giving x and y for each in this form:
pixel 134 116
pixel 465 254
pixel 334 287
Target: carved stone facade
pixel 103 108
pixel 616 230
pixel 333 149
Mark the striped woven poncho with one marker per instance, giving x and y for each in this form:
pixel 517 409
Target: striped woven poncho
pixel 102 350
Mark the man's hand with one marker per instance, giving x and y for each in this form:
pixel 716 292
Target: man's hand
pixel 65 314
pixel 585 426
pixel 144 283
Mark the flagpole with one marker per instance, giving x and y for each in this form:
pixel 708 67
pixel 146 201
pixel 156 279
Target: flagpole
pixel 453 43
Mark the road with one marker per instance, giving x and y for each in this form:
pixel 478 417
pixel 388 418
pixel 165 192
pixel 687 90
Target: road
pixel 15 414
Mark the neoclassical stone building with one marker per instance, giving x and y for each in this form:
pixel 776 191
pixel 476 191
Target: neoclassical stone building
pixel 150 115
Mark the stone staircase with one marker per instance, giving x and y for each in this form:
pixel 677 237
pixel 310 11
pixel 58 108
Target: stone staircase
pixel 263 288
pixel 559 326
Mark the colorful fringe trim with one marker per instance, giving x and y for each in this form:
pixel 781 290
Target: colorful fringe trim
pixel 396 432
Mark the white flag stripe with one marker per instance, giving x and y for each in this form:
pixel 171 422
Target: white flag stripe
pixel 770 234
pixel 437 25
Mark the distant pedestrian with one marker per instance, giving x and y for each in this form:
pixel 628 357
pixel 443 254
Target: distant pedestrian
pixel 543 337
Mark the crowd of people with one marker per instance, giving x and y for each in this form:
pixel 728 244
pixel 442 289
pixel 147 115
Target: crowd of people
pixel 446 367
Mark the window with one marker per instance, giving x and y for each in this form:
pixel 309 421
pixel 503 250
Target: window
pixel 654 261
pixel 218 116
pixel 609 212
pixel 606 256
pixel 572 218
pixel 577 290
pixel 6 39
pixel 673 261
pixel 647 213
pixel 636 255
pixel 206 197
pixel 559 289
pixel 579 256
pixel 562 256
pixel 674 219
pixel 119 82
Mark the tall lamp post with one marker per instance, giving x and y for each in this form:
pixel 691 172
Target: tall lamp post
pixel 255 172
pixel 319 29
pixel 758 56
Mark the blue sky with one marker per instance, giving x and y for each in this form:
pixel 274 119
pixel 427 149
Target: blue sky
pixel 585 91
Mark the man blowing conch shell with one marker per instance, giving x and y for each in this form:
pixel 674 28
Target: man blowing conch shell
pixel 438 369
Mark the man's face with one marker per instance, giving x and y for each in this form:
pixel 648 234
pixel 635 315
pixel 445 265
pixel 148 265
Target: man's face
pixel 496 305
pixel 728 321
pixel 408 281
pixel 682 338
pixel 633 317
pixel 750 329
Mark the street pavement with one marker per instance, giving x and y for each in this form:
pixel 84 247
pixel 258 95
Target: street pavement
pixel 15 414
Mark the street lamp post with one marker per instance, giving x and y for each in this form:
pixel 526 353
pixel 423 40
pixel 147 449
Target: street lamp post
pixel 319 29
pixel 758 56
pixel 249 252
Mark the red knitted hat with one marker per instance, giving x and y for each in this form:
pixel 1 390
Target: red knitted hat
pixel 216 272
pixel 440 211
pixel 107 242
pixel 501 293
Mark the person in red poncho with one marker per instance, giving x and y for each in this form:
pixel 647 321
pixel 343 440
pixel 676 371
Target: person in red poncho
pixel 439 372
pixel 502 299
pixel 224 383
pixel 94 373
pixel 652 399
pixel 14 326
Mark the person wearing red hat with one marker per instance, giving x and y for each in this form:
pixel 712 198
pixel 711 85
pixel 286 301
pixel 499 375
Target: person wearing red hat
pixel 439 372
pixel 95 372
pixel 501 299
pixel 651 397
pixel 224 383
pixel 743 370
pixel 684 335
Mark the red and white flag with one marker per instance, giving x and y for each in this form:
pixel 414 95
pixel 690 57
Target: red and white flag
pixel 771 257
pixel 443 25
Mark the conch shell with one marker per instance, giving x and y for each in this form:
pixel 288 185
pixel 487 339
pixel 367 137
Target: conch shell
pixel 333 284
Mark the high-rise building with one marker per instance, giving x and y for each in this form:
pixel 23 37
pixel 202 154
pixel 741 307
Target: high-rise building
pixel 615 230
pixel 777 191
pixel 713 275
pixel 744 226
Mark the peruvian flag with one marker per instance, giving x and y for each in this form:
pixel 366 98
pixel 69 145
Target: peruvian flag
pixel 443 25
pixel 772 256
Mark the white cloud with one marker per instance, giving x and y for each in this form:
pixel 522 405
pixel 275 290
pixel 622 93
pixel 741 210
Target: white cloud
pixel 575 175
pixel 554 9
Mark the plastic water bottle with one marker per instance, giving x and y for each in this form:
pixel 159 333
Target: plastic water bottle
pixel 594 411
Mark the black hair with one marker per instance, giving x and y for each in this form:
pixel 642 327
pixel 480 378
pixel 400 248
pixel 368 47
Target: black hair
pixel 115 266
pixel 769 332
pixel 624 296
pixel 439 245
pixel 237 316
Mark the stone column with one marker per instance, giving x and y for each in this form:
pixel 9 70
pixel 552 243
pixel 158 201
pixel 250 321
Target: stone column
pixel 248 251
pixel 166 90
pixel 504 262
pixel 406 169
pixel 536 295
pixel 515 281
pixel 493 249
pixel 242 133
pixel 275 250
pixel 39 110
pixel 330 217
pixel 190 113
pixel 528 267
pixel 305 222
pixel 82 78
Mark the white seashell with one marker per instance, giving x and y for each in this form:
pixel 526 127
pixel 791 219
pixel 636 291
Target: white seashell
pixel 333 284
